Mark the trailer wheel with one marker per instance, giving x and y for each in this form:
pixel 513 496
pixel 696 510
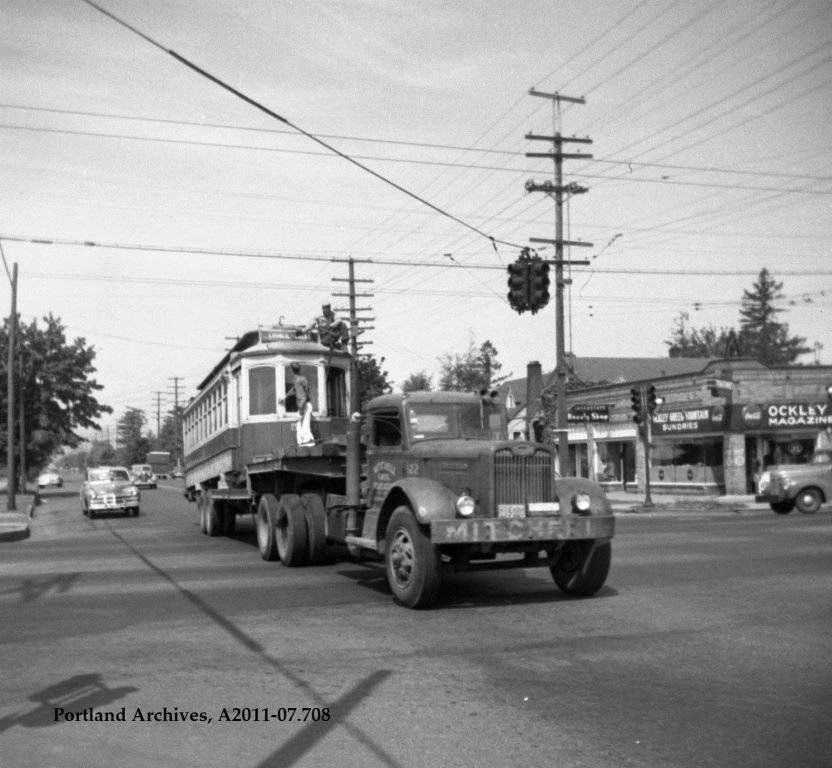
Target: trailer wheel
pixel 266 526
pixel 411 561
pixel 214 515
pixel 290 531
pixel 782 507
pixel 567 571
pixel 315 517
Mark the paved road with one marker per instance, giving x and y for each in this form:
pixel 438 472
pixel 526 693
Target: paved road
pixel 710 646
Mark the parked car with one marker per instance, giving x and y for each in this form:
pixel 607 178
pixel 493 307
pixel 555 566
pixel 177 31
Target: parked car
pixel 142 476
pixel 805 486
pixel 108 489
pixel 50 478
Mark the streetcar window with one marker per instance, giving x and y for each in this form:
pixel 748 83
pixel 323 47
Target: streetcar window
pixel 261 390
pixel 310 373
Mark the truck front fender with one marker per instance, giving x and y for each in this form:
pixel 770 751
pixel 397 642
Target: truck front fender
pixel 429 499
pixel 568 487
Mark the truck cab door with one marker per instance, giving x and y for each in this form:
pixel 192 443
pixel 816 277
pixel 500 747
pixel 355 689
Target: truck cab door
pixel 385 455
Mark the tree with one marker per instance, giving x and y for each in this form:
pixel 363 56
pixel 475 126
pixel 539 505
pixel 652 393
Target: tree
pixel 707 341
pixel 417 382
pixel 170 438
pixel 133 445
pixel 372 379
pixel 761 336
pixel 57 387
pixel 471 371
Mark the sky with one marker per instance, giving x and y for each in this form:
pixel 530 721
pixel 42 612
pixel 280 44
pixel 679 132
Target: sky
pixel 711 159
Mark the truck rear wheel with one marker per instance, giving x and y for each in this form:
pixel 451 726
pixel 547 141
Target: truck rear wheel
pixel 266 526
pixel 200 507
pixel 315 516
pixel 290 531
pixel 808 501
pixel 411 561
pixel 214 515
pixel 229 521
pixel 567 571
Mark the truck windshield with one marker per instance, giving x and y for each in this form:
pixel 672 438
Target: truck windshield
pixel 435 421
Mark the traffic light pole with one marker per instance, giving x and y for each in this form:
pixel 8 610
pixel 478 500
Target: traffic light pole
pixel 557 191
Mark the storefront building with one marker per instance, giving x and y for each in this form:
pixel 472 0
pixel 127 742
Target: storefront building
pixel 714 431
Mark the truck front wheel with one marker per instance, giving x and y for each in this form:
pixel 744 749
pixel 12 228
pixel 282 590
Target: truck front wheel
pixel 266 525
pixel 782 507
pixel 575 576
pixel 412 562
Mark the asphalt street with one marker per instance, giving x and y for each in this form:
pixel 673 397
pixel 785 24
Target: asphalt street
pixel 709 646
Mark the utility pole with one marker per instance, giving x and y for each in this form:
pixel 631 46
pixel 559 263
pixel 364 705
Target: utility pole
pixel 158 394
pixel 176 415
pixel 11 487
pixel 556 190
pixel 22 419
pixel 354 428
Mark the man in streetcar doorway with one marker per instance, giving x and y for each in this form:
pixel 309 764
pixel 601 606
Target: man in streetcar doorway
pixel 300 389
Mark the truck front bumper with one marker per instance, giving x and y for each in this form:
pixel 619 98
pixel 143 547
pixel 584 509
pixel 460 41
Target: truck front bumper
pixel 508 530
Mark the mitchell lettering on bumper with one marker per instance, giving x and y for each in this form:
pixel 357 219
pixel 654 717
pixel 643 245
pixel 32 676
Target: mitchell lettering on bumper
pixel 530 529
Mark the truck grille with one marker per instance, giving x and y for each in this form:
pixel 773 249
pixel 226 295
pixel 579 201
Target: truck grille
pixel 522 479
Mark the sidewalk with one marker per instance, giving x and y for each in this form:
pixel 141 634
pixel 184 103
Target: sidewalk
pixel 16 525
pixel 632 502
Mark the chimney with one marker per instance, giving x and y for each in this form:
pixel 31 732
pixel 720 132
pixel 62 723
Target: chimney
pixel 534 385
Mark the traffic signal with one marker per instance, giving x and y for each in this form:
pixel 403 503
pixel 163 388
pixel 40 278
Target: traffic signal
pixel 519 285
pixel 539 284
pixel 653 400
pixel 635 399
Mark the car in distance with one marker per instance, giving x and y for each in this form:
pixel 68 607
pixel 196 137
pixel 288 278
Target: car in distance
pixel 109 489
pixel 142 476
pixel 805 486
pixel 50 479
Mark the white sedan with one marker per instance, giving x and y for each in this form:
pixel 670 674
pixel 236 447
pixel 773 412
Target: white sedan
pixel 50 478
pixel 109 489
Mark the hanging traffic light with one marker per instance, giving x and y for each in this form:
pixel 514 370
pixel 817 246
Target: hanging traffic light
pixel 519 284
pixel 653 400
pixel 539 288
pixel 635 399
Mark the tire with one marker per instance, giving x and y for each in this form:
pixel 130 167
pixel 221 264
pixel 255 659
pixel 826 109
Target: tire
pixel 229 522
pixel 567 571
pixel 90 514
pixel 266 525
pixel 214 516
pixel 290 531
pixel 808 501
pixel 200 507
pixel 412 563
pixel 314 514
pixel 782 507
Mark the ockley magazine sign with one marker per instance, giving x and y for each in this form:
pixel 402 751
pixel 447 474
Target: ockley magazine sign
pixel 779 415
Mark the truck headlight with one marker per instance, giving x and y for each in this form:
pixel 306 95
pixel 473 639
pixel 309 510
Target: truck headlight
pixel 465 505
pixel 582 502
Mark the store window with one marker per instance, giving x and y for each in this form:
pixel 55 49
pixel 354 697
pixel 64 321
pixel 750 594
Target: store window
pixel 693 451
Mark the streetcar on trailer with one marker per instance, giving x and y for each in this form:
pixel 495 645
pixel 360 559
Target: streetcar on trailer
pixel 240 430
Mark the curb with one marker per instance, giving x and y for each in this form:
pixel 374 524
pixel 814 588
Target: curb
pixel 15 526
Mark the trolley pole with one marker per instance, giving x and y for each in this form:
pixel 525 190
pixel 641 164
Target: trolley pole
pixel 556 191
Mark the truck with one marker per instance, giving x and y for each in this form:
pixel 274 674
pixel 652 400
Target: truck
pixel 161 464
pixel 424 481
pixel 805 486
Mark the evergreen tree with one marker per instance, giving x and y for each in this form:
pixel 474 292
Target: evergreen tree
pixel 761 336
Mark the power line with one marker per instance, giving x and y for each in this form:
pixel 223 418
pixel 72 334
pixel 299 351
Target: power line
pixel 386 262
pixel 265 110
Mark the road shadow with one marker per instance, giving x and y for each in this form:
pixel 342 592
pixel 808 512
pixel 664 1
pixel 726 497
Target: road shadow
pixel 31 589
pixel 74 694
